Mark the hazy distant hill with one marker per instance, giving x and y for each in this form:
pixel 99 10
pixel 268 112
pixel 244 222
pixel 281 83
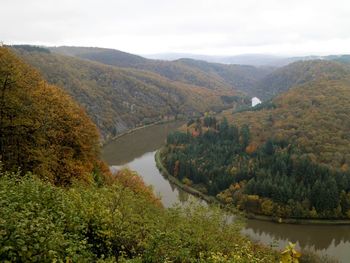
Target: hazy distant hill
pixel 249 59
pixel 118 99
pixel 195 72
pixel 103 55
pixel 173 71
pixel 244 59
pixel 242 77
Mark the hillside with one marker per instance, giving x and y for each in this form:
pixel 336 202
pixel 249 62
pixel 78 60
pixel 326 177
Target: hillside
pixel 173 71
pixel 118 99
pixel 42 130
pixel 297 73
pixel 196 72
pixel 314 116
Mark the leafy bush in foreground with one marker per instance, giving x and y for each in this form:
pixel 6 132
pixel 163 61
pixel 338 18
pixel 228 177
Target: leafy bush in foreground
pixel 40 222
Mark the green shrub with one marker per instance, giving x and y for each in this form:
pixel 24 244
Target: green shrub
pixel 44 223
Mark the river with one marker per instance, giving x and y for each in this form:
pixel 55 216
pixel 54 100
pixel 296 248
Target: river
pixel 136 151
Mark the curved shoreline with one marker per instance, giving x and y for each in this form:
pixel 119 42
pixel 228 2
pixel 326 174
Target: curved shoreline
pixel 134 130
pixel 212 199
pixel 186 188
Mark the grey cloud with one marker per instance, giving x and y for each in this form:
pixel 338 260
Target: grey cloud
pixel 187 26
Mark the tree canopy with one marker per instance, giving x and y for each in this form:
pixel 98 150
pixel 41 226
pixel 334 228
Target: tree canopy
pixel 42 129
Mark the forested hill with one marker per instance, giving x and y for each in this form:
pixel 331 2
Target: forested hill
pixel 295 74
pixel 195 72
pixel 314 116
pixel 42 130
pixel 242 77
pixel 288 157
pixel 118 99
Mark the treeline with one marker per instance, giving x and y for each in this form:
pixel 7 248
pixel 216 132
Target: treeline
pixel 274 179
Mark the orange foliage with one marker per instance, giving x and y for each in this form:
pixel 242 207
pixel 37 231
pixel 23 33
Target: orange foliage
pixel 42 129
pixel 176 168
pixel 251 148
pixel 133 181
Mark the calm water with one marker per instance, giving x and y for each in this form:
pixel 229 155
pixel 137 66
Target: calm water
pixel 137 150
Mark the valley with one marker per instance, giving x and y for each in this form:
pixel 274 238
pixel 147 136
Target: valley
pixel 285 158
pixel 175 131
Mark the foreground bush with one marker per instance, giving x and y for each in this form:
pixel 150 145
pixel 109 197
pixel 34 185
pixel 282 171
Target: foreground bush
pixel 43 223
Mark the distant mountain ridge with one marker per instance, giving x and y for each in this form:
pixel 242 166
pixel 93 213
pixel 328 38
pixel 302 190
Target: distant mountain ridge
pixel 257 60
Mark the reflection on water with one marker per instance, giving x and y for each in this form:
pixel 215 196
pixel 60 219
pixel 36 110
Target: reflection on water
pixel 137 150
pixel 320 236
pixel 167 191
pixel 133 145
pixel 333 241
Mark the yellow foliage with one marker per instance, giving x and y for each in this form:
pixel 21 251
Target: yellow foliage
pixel 290 255
pixel 42 129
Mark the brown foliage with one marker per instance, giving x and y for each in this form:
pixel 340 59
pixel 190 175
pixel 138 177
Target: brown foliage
pixel 117 98
pixel 133 181
pixel 314 116
pixel 42 129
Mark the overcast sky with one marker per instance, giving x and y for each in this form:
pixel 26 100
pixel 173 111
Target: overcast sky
pixel 214 27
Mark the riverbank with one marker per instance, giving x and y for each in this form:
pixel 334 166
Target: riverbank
pixel 186 188
pixel 212 199
pixel 136 129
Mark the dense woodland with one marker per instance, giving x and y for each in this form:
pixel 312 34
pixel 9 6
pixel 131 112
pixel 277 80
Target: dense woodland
pixel 296 161
pixel 42 129
pixel 275 178
pixel 314 116
pixel 296 74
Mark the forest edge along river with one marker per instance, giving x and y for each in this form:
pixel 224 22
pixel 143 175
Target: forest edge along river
pixel 137 151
